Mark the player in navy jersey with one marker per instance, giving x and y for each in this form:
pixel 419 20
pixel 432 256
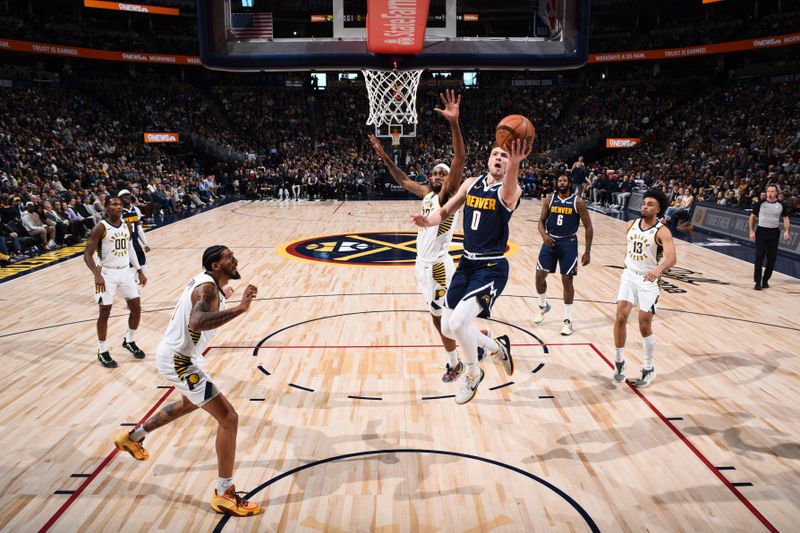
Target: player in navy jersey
pixel 562 212
pixel 482 271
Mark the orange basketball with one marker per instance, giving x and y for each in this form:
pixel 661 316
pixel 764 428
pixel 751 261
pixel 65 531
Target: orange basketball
pixel 514 127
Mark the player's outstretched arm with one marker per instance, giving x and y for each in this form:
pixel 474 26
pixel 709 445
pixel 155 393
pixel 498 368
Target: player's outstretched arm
pixel 88 255
pixel 399 176
pixel 452 105
pixel 664 238
pixel 452 205
pixel 588 230
pixel 205 313
pixel 510 192
pixel 546 238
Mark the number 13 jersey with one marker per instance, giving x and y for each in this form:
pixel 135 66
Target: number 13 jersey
pixel 643 252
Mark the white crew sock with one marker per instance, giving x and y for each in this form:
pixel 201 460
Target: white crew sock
pixel 131 334
pixel 138 433
pixel 568 312
pixel 649 351
pixel 102 346
pixel 542 300
pixel 222 484
pixel 620 354
pixel 452 358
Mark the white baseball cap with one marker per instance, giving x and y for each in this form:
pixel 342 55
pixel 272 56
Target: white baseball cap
pixel 123 192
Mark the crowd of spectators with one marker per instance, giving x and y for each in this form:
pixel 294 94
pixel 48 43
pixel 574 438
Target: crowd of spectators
pixel 63 148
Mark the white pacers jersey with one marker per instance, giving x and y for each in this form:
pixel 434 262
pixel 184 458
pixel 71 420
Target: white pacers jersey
pixel 113 250
pixel 643 252
pixel 433 243
pixel 179 339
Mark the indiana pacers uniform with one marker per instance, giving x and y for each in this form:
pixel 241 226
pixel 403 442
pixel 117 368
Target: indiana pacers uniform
pixel 434 266
pixel 179 355
pixel 114 264
pixel 483 269
pixel 642 256
pixel 562 225
pixel 133 216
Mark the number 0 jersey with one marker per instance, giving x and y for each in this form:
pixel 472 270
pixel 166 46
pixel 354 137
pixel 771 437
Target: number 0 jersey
pixel 433 243
pixel 113 249
pixel 643 252
pixel 486 220
pixel 179 339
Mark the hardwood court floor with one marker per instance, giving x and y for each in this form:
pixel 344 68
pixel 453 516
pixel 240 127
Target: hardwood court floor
pixel 342 426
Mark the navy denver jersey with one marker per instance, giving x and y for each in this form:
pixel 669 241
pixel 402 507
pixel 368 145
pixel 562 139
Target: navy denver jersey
pixel 485 220
pixel 562 217
pixel 131 216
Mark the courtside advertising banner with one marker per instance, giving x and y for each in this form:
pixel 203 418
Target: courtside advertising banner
pixel 160 137
pixel 133 8
pixel 734 223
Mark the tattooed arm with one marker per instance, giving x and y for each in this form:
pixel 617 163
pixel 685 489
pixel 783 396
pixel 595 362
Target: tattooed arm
pixel 205 307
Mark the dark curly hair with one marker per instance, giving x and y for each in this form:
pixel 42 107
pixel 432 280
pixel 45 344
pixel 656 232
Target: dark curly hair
pixel 660 197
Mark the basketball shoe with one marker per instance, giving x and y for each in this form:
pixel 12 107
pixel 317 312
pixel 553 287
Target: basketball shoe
pixel 540 311
pixel 619 371
pixel 125 443
pixel 135 350
pixel 648 376
pixel 451 374
pixel 468 388
pixel 504 353
pixel 231 503
pixel 567 329
pixel 106 360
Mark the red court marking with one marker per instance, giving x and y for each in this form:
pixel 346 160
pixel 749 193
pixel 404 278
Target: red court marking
pixel 101 466
pixel 697 452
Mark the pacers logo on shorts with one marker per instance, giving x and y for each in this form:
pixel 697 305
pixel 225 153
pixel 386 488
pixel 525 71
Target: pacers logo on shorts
pixel 363 249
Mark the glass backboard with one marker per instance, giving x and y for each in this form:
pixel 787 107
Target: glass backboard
pixel 307 35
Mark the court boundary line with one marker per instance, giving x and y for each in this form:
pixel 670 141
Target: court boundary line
pixel 741 497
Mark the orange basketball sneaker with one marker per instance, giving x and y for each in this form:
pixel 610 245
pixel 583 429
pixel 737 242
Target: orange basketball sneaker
pixel 231 503
pixel 125 443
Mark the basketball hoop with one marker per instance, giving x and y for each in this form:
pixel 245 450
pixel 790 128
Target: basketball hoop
pixel 392 97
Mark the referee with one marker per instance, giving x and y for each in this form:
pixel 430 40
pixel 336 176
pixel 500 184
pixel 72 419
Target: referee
pixel 767 233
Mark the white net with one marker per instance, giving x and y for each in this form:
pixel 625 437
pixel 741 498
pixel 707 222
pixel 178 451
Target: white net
pixel 392 96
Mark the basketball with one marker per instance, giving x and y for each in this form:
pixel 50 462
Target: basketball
pixel 514 127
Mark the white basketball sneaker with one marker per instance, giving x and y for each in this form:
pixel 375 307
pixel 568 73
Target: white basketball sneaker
pixel 468 388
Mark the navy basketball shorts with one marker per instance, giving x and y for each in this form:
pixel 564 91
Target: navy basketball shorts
pixel 483 279
pixel 565 253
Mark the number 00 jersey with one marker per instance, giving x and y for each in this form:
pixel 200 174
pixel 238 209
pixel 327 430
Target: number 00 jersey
pixel 179 339
pixel 113 249
pixel 562 217
pixel 486 220
pixel 433 243
pixel 643 252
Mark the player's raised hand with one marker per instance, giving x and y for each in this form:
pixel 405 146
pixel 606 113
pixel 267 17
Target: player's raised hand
pixel 451 103
pixel 518 150
pixel 250 293
pixel 376 144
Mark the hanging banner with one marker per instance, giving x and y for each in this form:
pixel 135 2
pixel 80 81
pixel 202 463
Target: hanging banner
pixel 700 50
pixel 133 8
pixel 396 26
pixel 158 137
pixel 93 53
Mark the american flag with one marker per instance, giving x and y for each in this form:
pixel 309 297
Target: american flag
pixel 251 25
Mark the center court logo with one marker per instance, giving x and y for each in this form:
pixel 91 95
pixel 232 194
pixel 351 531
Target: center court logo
pixel 366 249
